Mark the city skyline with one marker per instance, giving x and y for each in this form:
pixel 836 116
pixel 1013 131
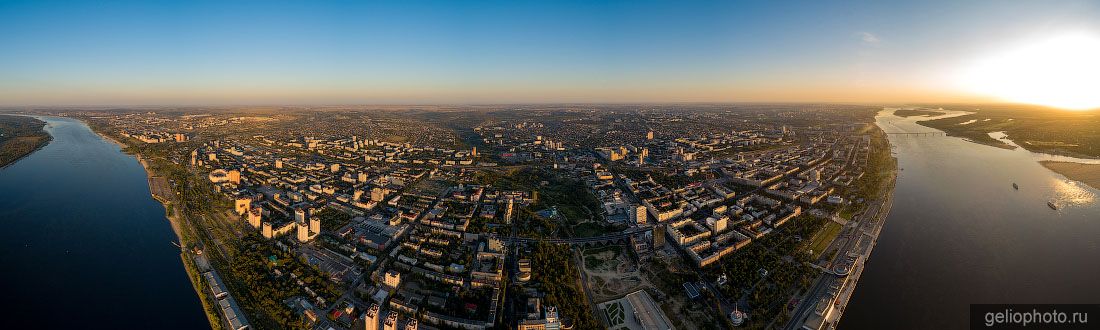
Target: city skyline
pixel 210 53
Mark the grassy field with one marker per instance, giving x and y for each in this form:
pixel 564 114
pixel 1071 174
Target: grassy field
pixel 823 237
pixel 847 211
pixel 592 262
pixel 591 229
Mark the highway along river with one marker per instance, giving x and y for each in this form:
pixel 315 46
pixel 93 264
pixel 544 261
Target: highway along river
pixel 84 245
pixel 959 234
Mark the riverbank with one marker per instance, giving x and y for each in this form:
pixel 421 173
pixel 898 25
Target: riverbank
pixel 853 244
pixel 866 227
pixel 106 231
pixel 877 222
pixel 960 192
pixel 1086 173
pixel 21 136
pixel 175 220
pixel 150 175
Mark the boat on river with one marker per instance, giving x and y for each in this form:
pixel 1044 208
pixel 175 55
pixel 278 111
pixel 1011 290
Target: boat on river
pixel 1014 186
pixel 1052 206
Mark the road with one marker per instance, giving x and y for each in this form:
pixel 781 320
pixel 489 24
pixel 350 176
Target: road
pixel 851 233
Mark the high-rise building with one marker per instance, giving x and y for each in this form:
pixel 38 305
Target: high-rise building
pixel 391 321
pixel 412 325
pixel 179 137
pixel 279 163
pixel 659 235
pixel 300 214
pixel 371 318
pixel 266 230
pixel 649 135
pixel 638 214
pixel 315 225
pixel 303 232
pixel 508 210
pixel 242 205
pixel 255 217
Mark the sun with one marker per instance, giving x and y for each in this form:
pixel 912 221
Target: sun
pixel 1061 71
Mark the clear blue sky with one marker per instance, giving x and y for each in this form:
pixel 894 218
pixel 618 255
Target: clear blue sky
pixel 351 52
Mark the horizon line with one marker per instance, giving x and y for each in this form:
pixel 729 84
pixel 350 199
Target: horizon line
pixel 485 104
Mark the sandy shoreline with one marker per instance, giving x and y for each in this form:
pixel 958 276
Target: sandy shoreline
pixel 997 144
pixel 112 140
pixel 173 219
pixel 1086 173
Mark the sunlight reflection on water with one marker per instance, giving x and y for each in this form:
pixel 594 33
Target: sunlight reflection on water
pixel 1069 192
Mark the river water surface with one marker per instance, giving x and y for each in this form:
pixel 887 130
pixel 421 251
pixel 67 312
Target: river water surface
pixel 959 234
pixel 84 245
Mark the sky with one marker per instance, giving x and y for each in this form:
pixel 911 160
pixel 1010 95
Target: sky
pixel 423 52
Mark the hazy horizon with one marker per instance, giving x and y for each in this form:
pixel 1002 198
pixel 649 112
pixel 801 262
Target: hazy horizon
pixel 224 54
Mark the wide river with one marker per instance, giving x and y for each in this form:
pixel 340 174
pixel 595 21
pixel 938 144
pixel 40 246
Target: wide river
pixel 959 234
pixel 84 245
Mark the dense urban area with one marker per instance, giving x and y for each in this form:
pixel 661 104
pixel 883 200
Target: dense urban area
pixel 524 217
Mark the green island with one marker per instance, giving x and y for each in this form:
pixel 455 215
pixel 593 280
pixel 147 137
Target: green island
pixel 1035 128
pixel 917 112
pixel 19 137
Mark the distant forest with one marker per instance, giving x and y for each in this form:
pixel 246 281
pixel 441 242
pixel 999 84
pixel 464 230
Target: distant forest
pixel 20 136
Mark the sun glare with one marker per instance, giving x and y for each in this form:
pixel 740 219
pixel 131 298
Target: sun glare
pixel 1062 72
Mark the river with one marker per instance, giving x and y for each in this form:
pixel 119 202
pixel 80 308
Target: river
pixel 959 234
pixel 84 245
